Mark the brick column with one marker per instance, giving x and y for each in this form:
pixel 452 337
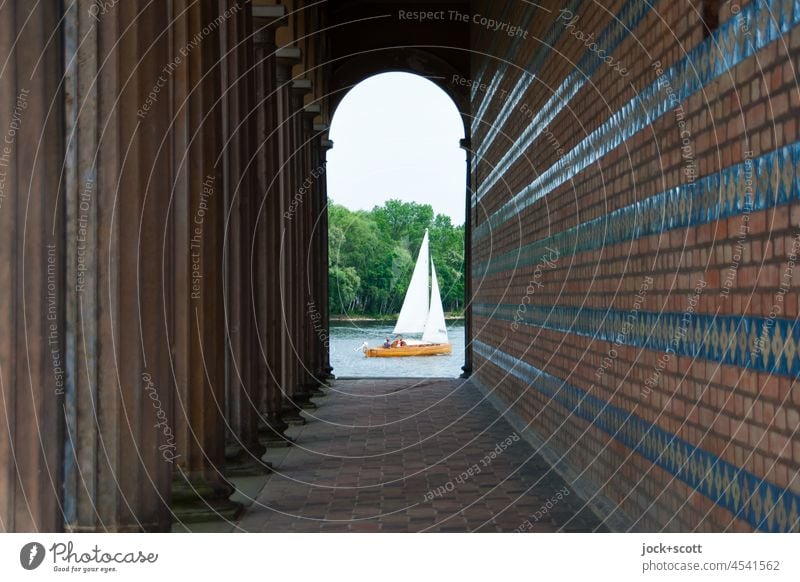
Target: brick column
pixel 466 145
pixel 327 370
pixel 243 450
pixel 315 270
pixel 200 491
pixel 32 253
pixel 290 379
pixel 301 224
pixel 313 314
pixel 120 435
pixel 267 256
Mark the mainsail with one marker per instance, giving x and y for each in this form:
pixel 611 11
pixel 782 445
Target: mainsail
pixel 414 313
pixel 418 315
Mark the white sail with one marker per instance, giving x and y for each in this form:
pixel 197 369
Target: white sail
pixel 435 328
pixel 414 313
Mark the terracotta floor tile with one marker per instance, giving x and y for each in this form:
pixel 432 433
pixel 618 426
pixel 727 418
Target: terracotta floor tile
pixel 402 460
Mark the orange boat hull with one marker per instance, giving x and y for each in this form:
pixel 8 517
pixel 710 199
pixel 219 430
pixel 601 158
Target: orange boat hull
pixel 407 351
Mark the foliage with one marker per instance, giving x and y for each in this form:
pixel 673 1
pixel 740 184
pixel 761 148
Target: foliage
pixel 372 255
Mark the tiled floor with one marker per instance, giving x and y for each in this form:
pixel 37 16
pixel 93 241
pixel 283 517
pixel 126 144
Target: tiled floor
pixel 395 455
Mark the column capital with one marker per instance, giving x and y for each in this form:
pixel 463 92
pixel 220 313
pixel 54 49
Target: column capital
pixel 264 17
pixel 285 58
pixel 288 55
pixel 311 111
pixel 302 86
pixel 271 13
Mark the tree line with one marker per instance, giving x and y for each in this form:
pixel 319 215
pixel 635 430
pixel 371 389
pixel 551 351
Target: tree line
pixel 372 256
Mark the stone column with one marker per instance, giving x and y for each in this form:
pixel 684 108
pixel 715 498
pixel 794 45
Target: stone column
pixel 266 260
pixel 302 224
pixel 243 450
pixel 120 442
pixel 466 145
pixel 32 255
pixel 290 379
pixel 200 492
pixel 311 277
pixel 318 333
pixel 327 370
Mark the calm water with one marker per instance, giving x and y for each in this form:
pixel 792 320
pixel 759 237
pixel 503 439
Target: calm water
pixel 348 360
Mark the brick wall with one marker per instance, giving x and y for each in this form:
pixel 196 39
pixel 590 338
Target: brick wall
pixel 636 214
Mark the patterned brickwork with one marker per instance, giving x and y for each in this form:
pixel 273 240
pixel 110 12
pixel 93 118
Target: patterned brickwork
pixel 411 456
pixel 635 238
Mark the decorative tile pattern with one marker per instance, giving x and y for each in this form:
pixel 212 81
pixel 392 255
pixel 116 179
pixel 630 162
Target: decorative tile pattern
pixel 484 65
pixel 501 65
pixel 612 36
pixel 764 344
pixel 760 503
pixel 511 102
pixel 723 50
pixel 775 179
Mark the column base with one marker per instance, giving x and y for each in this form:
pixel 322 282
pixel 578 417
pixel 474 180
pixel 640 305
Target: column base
pixel 271 432
pixel 201 511
pixel 315 390
pixel 120 528
pixel 291 415
pixel 292 406
pixel 239 462
pixel 273 441
pixel 307 404
pixel 199 500
pixel 302 399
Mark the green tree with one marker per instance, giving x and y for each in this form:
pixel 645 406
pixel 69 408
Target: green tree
pixel 343 287
pixel 403 222
pixel 372 255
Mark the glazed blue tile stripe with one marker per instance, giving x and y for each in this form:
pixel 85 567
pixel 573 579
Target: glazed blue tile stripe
pixel 759 343
pixel 774 178
pixel 703 64
pixel 531 71
pixel 762 504
pixel 502 67
pixel 486 62
pixel 612 36
pixel 509 102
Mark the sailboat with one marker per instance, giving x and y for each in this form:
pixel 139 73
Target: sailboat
pixel 421 313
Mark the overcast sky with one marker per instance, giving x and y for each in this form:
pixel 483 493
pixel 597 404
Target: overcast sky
pixel 396 136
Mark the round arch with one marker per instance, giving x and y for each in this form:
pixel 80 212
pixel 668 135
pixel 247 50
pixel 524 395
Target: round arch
pixel 440 75
pixel 358 68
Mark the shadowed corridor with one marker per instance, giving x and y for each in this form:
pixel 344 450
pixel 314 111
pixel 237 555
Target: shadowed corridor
pixel 395 456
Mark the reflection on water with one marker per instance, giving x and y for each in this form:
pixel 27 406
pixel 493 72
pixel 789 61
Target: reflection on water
pixel 348 360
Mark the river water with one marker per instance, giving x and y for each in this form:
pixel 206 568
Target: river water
pixel 347 359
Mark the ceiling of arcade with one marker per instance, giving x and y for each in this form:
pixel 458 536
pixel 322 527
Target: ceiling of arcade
pixel 343 42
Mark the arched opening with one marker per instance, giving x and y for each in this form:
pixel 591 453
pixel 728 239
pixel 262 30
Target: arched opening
pixel 397 169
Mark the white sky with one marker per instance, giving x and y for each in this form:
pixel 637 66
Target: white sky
pixel 396 136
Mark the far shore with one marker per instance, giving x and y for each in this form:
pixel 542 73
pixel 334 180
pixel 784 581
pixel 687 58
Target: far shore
pixel 380 319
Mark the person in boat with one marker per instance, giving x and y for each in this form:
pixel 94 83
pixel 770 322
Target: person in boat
pixel 402 342
pixel 387 343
